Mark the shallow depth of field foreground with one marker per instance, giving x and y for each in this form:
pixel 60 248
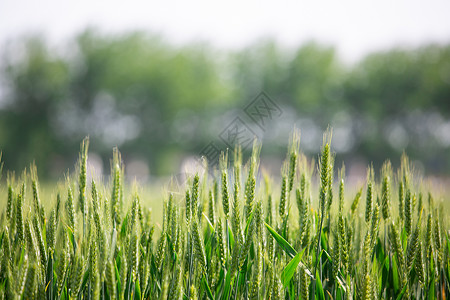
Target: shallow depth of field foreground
pixel 239 236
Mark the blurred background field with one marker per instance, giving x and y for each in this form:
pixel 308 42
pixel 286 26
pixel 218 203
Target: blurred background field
pixel 162 100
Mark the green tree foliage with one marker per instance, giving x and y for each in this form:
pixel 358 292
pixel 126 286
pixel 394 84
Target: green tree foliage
pixel 37 84
pixel 159 101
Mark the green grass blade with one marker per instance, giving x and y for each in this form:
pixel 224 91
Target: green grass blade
pixel 400 296
pixel 396 279
pixel 137 291
pixel 431 290
pixel 206 287
pixel 49 280
pixel 227 287
pixel 220 284
pixel 290 268
pixel 282 242
pixel 320 295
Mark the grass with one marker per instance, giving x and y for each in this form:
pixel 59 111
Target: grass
pixel 228 236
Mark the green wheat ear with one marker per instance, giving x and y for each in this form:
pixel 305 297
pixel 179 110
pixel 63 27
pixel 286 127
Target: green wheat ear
pixel 403 177
pixel 401 198
pixel 369 194
pixel 188 206
pixel 117 177
pixel 408 211
pixel 330 184
pixel 420 205
pixel 341 188
pixel 195 196
pixel 30 284
pixel 345 242
pixel 325 170
pixel 374 226
pixel 70 210
pixel 63 261
pixel 325 176
pixel 51 232
pixel 198 245
pixel 257 275
pixel 419 265
pixel 82 165
pixel 437 240
pixel 222 247
pixel 76 274
pixel 11 199
pixel 38 207
pixel 225 194
pixel 395 241
pixel 93 270
pixel 356 200
pixel 6 261
pixel 160 250
pixel 30 241
pixel 293 155
pixel 211 209
pixel 413 245
pixel 336 252
pixel 283 196
pixel 386 173
pixel 193 293
pixel 20 229
pixel 133 255
pixel 40 242
pixel 250 184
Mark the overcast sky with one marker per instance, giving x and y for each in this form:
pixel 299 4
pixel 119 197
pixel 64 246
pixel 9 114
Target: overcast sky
pixel 355 27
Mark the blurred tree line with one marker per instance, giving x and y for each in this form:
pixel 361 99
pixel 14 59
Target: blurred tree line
pixel 159 102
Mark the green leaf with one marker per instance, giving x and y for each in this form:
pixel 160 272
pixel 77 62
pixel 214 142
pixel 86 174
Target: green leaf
pixel 85 279
pixel 230 237
pixel 431 291
pixel 72 239
pixel 319 289
pixel 206 287
pixel 324 240
pixel 282 242
pixel 341 283
pixel 113 243
pixel 211 227
pixel 395 274
pixel 137 290
pixel 49 277
pixel 379 252
pixel 249 220
pixel 385 272
pixel 290 268
pixel 124 227
pixel 339 293
pixel 227 287
pixel 171 246
pixel 327 254
pixel 118 284
pixel 400 296
pixel 285 222
pixel 220 283
pixel 292 291
pixel 404 238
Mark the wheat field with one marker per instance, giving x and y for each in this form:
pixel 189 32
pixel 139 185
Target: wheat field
pixel 229 236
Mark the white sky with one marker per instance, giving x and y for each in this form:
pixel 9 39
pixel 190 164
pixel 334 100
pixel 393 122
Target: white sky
pixel 355 27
